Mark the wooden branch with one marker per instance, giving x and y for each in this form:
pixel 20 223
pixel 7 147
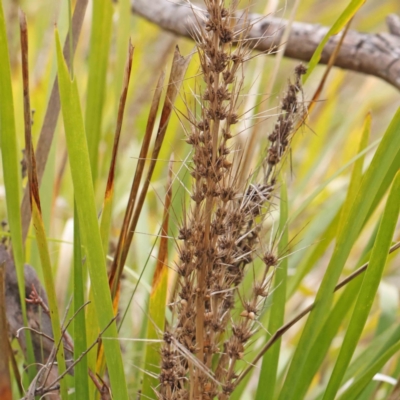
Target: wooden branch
pixel 373 54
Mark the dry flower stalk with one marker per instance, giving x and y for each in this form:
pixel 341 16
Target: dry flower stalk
pixel 221 232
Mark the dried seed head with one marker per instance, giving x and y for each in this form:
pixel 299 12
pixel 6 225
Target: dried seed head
pixel 184 233
pixel 226 35
pixel 226 134
pixel 260 289
pixel 273 156
pixel 221 233
pixel 184 303
pixel 232 119
pixel 300 70
pixel 228 388
pixel 270 259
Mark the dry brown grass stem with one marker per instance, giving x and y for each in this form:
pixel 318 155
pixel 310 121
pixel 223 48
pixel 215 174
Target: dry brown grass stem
pixel 220 233
pixel 136 197
pixel 51 116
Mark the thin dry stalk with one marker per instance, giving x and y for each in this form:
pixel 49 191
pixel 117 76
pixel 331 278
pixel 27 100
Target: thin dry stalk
pixel 51 117
pixel 178 70
pixel 120 118
pixel 138 176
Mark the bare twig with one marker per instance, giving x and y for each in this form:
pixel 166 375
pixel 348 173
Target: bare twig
pixel 102 387
pixel 48 337
pixel 34 298
pixel 52 385
pixel 393 23
pixel 65 338
pixel 373 54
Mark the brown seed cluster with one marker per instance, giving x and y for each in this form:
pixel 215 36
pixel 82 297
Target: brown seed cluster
pixel 220 233
pixel 291 110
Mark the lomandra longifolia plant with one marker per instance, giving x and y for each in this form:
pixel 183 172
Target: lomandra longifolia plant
pixel 220 234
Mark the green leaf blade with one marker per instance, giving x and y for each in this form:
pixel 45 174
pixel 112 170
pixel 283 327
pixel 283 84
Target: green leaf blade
pixel 50 290
pixel 100 41
pixel 362 381
pixel 80 343
pixel 11 174
pixel 158 302
pixel 339 24
pixel 356 175
pixel 386 158
pixel 269 368
pixel 368 289
pixel 90 234
pixel 347 299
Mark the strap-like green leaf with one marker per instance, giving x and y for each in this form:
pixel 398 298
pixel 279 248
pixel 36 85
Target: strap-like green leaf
pixel 340 23
pixel 342 307
pixel 89 228
pixel 12 179
pixel 269 368
pixel 386 158
pixel 368 289
pixel 100 39
pixel 362 381
pixel 50 289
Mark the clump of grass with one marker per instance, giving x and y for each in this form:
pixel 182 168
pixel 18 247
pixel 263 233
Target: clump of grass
pixel 220 233
pixel 231 263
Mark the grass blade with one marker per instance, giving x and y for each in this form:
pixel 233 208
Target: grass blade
pixel 117 265
pixel 5 381
pixel 100 40
pixel 178 70
pixel 137 178
pixel 80 343
pixel 269 368
pixel 387 153
pixel 318 190
pixel 368 289
pixel 105 222
pixel 89 229
pixel 158 300
pixel 37 213
pixel 342 307
pixel 48 283
pixel 51 117
pixel 299 316
pixel 109 195
pixel 363 380
pixel 376 348
pixel 123 33
pixel 11 174
pixel 356 173
pixel 327 334
pixel 339 24
pixel 305 263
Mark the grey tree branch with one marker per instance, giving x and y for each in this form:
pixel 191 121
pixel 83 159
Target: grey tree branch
pixel 372 54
